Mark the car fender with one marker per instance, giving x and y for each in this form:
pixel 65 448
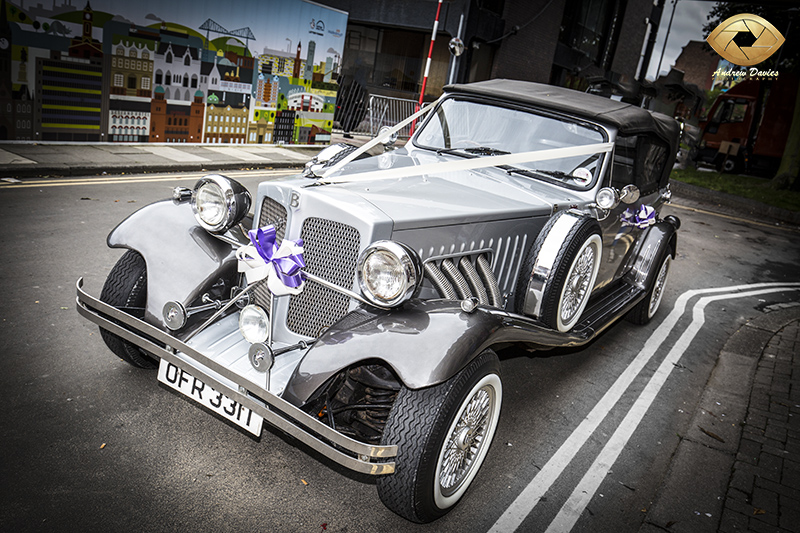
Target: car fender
pixel 183 259
pixel 424 343
pixel 658 237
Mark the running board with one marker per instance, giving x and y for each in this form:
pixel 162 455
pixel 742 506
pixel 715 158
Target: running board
pixel 608 308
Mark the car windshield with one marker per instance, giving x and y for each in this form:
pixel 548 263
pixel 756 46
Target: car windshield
pixel 473 129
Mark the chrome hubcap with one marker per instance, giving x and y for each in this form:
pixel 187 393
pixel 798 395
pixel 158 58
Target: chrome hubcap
pixel 658 288
pixel 577 284
pixel 465 441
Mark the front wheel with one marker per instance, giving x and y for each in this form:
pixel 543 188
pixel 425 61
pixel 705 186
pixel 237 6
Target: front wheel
pixel 443 434
pixel 126 289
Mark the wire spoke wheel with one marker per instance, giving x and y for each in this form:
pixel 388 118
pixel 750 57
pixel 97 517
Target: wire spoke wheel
pixel 464 442
pixel 577 284
pixel 658 288
pixel 443 434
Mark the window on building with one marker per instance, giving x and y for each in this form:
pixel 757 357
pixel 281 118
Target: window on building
pixel 145 55
pixel 132 52
pixel 187 60
pixel 131 82
pixel 120 51
pixel 194 81
pixel 146 83
pixel 393 58
pixel 168 57
pixel 591 27
pixel 118 80
pixel 159 77
pixel 168 78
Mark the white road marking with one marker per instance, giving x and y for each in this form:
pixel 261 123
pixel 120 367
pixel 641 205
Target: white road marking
pixel 586 489
pixel 173 154
pixel 141 178
pixel 8 158
pixel 530 496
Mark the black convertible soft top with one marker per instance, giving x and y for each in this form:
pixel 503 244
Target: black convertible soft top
pixel 627 118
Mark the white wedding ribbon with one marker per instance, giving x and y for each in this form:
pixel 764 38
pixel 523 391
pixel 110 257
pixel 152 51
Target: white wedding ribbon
pixel 253 266
pixel 472 164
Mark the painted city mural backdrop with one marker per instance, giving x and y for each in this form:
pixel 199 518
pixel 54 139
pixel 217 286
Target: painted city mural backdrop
pixel 234 72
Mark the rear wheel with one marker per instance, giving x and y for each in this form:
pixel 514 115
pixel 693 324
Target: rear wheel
pixel 656 283
pixel 443 434
pixel 126 289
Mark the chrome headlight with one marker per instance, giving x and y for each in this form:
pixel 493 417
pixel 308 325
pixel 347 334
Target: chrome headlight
pixel 254 324
pixel 388 273
pixel 219 203
pixel 607 198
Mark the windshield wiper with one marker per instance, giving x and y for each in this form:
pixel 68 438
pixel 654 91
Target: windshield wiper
pixel 530 172
pixel 472 151
pixel 485 150
pixel 455 151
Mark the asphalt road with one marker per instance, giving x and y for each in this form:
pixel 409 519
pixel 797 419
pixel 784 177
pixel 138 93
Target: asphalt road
pixel 91 444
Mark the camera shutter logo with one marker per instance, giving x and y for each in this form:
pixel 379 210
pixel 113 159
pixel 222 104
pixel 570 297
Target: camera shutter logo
pixel 745 39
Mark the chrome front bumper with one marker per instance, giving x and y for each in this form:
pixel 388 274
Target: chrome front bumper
pixel 276 411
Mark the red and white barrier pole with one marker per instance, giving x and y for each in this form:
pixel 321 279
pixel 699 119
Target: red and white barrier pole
pixel 428 62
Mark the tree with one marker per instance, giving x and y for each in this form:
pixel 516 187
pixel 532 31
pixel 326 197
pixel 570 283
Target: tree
pixel 786 61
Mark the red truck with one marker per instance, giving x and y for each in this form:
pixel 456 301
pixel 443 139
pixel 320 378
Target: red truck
pixel 740 136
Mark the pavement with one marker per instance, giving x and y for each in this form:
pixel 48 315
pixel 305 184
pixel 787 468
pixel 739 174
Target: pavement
pixel 738 466
pixel 748 455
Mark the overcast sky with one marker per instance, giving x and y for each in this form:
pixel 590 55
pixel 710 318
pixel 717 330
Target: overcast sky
pixel 690 16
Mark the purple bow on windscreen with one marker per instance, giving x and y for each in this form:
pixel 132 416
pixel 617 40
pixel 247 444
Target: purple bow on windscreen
pixel 288 266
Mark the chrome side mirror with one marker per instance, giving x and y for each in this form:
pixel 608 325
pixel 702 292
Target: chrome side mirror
pixel 629 194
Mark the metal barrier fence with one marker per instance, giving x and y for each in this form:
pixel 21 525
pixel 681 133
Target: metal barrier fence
pixel 380 111
pixel 388 111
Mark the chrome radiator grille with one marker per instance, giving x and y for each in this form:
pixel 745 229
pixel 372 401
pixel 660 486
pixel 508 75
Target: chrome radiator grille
pixel 331 252
pixel 271 213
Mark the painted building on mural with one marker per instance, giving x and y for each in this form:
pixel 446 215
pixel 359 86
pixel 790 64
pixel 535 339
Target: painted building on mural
pixel 225 124
pixel 144 72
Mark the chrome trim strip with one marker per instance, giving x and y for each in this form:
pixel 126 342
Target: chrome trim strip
pixel 544 263
pixel 300 424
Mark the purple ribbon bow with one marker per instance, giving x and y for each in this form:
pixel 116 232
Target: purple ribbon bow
pixel 644 216
pixel 287 268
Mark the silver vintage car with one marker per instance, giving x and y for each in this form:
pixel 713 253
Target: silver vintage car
pixel 359 306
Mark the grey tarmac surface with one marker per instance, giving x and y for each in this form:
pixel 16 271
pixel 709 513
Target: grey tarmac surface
pixel 91 444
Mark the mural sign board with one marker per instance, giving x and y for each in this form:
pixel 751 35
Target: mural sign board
pixel 234 72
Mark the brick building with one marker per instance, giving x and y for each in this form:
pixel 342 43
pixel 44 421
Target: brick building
pixel 698 63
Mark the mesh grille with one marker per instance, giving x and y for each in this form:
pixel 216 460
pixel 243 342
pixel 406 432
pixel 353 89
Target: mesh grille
pixel 331 252
pixel 271 213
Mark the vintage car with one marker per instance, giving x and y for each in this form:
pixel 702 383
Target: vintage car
pixel 359 309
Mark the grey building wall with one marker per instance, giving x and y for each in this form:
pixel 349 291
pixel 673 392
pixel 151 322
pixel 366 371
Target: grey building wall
pixel 527 54
pixel 631 38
